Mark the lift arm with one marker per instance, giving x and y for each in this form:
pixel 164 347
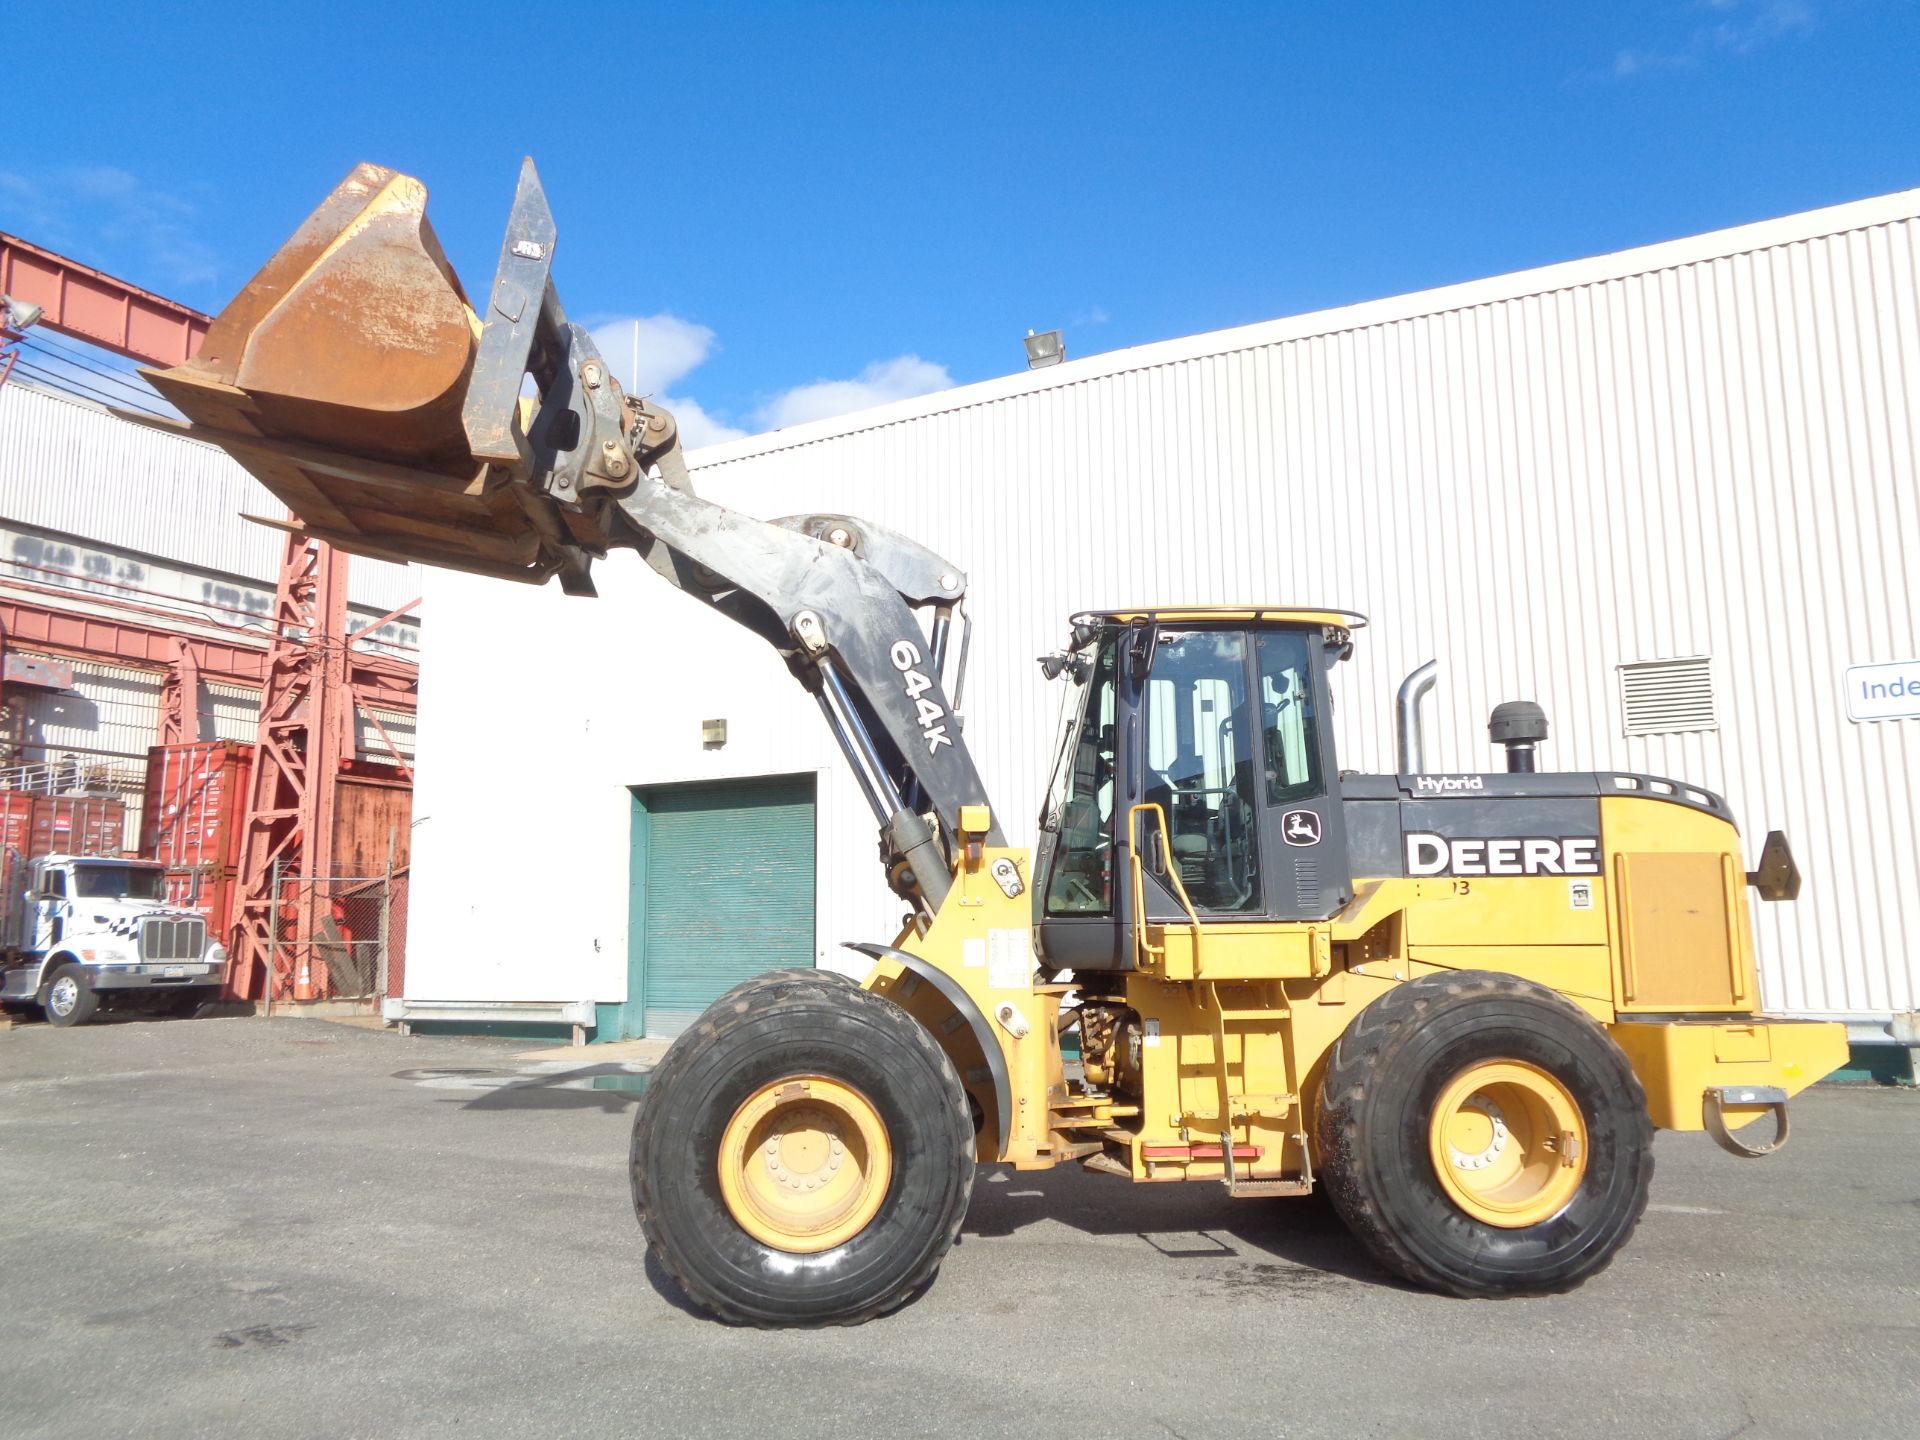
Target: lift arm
pixel 836 596
pixel 353 379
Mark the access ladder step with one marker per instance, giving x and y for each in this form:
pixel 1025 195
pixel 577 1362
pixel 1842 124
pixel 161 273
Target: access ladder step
pixel 1251 1189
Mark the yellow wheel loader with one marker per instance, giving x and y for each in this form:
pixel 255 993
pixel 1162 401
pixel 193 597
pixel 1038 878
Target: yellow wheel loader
pixel 1461 1002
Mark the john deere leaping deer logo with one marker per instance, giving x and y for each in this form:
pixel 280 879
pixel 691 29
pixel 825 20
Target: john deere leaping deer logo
pixel 1300 827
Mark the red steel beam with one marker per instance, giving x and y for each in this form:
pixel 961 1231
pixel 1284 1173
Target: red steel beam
pixel 377 679
pixel 94 637
pixel 98 308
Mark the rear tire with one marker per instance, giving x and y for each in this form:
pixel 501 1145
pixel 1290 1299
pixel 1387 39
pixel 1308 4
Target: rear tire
pixel 803 1155
pixel 69 999
pixel 1544 1172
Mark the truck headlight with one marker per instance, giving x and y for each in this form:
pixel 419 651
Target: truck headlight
pixel 216 954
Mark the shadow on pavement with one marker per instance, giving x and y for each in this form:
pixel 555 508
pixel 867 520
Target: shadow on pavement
pixel 1286 1247
pixel 1183 1222
pixel 609 1088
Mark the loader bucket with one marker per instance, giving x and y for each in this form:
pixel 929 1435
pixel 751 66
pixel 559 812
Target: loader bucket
pixel 355 335
pixel 352 377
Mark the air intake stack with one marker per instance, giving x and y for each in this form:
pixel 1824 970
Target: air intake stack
pixel 1519 725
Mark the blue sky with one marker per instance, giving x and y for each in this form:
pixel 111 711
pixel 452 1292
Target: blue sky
pixel 808 207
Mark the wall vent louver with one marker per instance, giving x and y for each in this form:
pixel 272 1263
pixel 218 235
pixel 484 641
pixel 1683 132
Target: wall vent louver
pixel 1662 697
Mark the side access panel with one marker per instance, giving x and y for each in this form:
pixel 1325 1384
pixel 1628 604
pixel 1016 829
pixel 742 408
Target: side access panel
pixel 1677 912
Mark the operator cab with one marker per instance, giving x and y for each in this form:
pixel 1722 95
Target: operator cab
pixel 1220 718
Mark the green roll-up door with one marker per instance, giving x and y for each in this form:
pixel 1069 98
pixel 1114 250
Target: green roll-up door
pixel 728 890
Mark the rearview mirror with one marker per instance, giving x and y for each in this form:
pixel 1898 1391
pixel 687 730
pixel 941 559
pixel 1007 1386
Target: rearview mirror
pixel 1776 877
pixel 1140 650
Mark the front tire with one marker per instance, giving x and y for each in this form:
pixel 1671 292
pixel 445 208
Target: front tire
pixel 68 999
pixel 1483 1136
pixel 802 1156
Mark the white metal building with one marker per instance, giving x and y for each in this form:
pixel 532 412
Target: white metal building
pixel 1703 452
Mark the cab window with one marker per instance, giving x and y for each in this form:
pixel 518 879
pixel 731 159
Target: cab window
pixel 1290 745
pixel 1082 878
pixel 111 882
pixel 1201 771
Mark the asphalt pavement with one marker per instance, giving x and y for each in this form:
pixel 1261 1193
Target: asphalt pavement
pixel 287 1227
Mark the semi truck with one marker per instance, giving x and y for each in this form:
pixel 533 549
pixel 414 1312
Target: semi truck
pixel 85 928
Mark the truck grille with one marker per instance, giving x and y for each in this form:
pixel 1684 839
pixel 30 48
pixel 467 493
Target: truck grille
pixel 173 939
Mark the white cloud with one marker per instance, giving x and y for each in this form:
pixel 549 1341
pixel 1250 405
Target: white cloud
pixel 697 427
pixel 1744 27
pixel 650 352
pixel 1636 62
pixel 653 355
pixel 900 378
pixel 1754 22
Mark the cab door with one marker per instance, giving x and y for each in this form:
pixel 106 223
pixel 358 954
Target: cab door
pixel 1234 749
pixel 50 909
pixel 1304 821
pixel 1077 863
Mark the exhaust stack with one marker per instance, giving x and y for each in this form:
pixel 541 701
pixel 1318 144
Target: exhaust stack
pixel 1409 734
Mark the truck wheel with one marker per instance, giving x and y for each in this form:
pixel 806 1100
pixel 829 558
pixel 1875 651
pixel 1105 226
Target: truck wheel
pixel 1482 1136
pixel 803 1159
pixel 70 1000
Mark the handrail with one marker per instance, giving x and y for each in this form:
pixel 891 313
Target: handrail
pixel 1173 876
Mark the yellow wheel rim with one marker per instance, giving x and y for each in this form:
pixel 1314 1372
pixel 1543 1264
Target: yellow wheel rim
pixel 1508 1143
pixel 805 1164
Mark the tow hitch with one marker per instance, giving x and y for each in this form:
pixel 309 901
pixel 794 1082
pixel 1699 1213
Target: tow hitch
pixel 1744 1097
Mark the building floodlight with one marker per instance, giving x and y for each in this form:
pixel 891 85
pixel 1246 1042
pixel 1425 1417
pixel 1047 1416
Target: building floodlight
pixel 1046 348
pixel 18 314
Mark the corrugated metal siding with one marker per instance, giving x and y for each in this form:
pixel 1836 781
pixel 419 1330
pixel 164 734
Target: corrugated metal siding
pixel 1704 448
pixel 1715 458
pixel 399 725
pixel 229 712
pixel 232 712
pixel 106 722
pixel 72 468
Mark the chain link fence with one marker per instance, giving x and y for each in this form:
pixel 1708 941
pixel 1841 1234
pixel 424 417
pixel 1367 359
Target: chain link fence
pixel 350 924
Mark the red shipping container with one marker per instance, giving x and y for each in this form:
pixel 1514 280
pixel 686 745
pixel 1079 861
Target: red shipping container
pixel 78 825
pixel 208 890
pixel 16 821
pixel 197 797
pixel 16 845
